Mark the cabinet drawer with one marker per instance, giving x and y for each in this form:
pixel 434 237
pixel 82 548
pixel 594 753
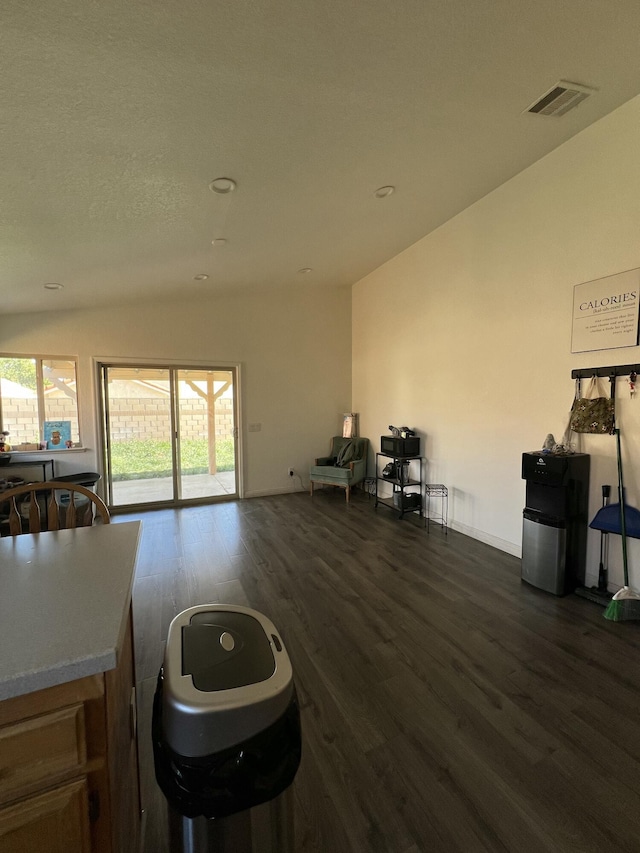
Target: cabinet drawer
pixel 53 822
pixel 40 750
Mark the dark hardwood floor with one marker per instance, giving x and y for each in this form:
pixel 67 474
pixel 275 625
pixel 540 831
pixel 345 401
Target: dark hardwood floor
pixel 446 706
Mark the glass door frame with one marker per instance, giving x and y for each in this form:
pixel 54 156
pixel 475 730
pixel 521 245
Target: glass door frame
pixel 101 366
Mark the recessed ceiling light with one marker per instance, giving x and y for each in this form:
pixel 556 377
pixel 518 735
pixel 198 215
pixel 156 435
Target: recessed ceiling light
pixel 53 285
pixel 222 186
pixel 383 192
pixel 202 276
pixel 305 270
pixel 219 241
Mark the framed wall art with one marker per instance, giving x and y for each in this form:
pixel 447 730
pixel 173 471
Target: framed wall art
pixel 605 312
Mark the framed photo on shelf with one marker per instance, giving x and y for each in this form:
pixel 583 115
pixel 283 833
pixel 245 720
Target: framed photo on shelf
pixel 57 435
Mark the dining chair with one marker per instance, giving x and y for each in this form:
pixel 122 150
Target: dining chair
pixel 25 505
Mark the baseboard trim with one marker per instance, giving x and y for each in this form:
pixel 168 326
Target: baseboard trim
pixel 488 539
pixel 265 493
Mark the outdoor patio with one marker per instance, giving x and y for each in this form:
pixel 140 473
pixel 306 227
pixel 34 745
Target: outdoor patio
pixel 161 488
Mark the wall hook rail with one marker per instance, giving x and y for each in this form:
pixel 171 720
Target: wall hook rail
pixel 611 372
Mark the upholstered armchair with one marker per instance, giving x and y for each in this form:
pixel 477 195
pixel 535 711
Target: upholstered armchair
pixel 345 466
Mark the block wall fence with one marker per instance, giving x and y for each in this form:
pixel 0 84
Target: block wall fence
pixel 141 419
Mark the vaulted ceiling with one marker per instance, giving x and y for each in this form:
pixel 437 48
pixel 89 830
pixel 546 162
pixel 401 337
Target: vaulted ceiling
pixel 117 116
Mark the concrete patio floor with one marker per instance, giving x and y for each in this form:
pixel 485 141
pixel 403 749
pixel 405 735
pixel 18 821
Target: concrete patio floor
pixel 161 488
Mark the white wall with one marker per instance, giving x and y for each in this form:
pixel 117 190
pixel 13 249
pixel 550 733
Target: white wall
pixel 294 349
pixel 466 336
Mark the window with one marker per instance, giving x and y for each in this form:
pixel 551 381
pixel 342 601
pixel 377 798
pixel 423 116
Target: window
pixel 34 391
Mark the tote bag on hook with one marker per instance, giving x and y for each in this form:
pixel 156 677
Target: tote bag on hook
pixel 595 412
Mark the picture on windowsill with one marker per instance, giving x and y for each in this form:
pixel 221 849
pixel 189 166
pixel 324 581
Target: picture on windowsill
pixel 57 435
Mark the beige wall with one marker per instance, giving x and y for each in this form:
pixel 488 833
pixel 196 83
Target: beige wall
pixel 293 347
pixel 466 336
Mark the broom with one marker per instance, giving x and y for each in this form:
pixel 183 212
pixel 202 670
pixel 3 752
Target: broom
pixel 625 604
pixel 603 573
pixel 600 594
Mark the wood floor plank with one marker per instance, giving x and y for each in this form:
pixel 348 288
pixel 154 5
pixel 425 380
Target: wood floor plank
pixel 149 631
pixel 368 818
pixel 432 809
pixel 446 706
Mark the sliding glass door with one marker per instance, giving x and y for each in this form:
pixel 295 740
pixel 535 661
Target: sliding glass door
pixel 206 429
pixel 170 434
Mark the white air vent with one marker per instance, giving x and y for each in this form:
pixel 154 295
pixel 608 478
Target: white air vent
pixel 560 99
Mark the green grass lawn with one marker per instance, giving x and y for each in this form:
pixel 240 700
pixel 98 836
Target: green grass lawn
pixel 144 460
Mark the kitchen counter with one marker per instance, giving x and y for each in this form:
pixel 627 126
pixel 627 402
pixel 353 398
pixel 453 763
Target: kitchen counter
pixel 69 761
pixel 65 598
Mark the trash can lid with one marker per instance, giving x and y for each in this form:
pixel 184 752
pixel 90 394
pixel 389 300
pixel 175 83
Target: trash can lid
pixel 223 649
pixel 226 677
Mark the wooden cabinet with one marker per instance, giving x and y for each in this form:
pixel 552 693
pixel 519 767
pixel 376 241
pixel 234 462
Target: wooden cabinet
pixel 68 765
pixel 56 821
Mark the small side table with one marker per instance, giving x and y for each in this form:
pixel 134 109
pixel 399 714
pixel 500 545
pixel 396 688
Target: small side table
pixel 437 491
pixel 32 463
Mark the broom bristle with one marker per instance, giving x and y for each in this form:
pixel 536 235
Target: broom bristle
pixel 624 606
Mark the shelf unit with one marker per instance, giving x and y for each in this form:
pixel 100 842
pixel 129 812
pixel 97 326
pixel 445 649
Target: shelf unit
pixel 407 484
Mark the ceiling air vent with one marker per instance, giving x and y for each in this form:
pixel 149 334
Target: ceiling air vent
pixel 560 99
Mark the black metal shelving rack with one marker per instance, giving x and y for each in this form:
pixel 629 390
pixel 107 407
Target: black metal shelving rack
pixel 402 486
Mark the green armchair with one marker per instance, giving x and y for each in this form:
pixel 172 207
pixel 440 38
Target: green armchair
pixel 345 466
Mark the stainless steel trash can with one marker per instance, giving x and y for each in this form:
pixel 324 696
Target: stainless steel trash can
pixel 226 732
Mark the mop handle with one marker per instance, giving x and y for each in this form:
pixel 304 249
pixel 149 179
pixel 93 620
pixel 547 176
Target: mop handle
pixel 623 529
pixel 606 494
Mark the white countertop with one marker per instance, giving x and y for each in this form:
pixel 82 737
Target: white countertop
pixel 64 600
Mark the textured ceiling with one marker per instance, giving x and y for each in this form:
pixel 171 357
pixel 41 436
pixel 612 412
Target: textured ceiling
pixel 117 115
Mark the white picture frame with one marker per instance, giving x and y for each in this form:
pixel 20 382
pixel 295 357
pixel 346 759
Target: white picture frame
pixel 605 312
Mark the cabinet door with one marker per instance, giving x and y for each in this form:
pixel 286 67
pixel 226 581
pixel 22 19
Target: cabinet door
pixel 54 822
pixel 40 751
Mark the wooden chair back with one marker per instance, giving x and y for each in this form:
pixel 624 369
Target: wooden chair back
pixel 56 517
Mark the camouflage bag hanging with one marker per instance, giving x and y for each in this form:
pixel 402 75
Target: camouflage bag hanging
pixel 593 414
